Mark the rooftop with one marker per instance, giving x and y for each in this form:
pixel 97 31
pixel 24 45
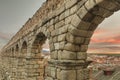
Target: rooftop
pixel 100 75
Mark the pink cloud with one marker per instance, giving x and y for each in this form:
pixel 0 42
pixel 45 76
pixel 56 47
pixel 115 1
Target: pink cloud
pixel 5 36
pixel 110 39
pixel 104 49
pixel 104 42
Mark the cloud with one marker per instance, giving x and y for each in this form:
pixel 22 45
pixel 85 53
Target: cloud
pixel 104 49
pixel 115 39
pixel 105 42
pixel 2 44
pixel 4 36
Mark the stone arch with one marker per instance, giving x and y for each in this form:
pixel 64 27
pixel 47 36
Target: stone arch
pixel 17 48
pixel 7 52
pixel 38 42
pixel 15 62
pixel 24 47
pixel 13 51
pixel 82 26
pixel 35 60
pixel 21 66
pixel 88 17
pixel 85 21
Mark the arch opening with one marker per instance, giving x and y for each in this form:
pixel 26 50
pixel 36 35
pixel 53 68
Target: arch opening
pixel 17 50
pixel 37 57
pixel 12 54
pixel 104 44
pixel 85 22
pixel 38 42
pixel 106 36
pixel 24 48
pixel 21 62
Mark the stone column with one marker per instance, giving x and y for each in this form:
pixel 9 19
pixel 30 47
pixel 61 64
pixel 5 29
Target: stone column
pixel 15 66
pixel 34 64
pixel 67 70
pixel 21 74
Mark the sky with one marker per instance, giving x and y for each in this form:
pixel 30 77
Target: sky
pixel 14 14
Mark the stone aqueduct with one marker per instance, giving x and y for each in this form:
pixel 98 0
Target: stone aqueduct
pixel 69 25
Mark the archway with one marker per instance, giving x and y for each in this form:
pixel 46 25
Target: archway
pixel 81 28
pixel 13 52
pixel 24 48
pixel 106 36
pixel 105 46
pixel 15 62
pixel 35 60
pixel 21 75
pixel 16 49
pixel 12 62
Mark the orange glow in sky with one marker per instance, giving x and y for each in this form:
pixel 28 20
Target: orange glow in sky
pixel 106 38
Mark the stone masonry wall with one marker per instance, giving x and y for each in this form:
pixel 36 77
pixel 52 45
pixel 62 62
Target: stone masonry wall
pixel 69 25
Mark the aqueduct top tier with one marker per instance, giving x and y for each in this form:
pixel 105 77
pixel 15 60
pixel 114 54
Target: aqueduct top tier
pixel 42 15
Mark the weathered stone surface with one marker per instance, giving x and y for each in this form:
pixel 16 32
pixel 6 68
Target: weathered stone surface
pixel 82 12
pixel 97 20
pixel 49 78
pixel 51 28
pixel 56 45
pixel 82 55
pixel 63 29
pixel 67 13
pixel 87 41
pixel 56 19
pixel 93 26
pixel 81 73
pixel 53 72
pixel 68 75
pixel 109 4
pixel 61 37
pixel 72 47
pixel 58 73
pixel 60 10
pixel 75 21
pixel 67 55
pixel 80 33
pixel 62 16
pixel 101 12
pixel 73 9
pixel 59 24
pixel 90 4
pixel 68 19
pixel 71 38
pixel 62 44
pixel 52 47
pixel 70 3
pixel 54 54
pixel 55 39
pixel 84 48
pixel 55 32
